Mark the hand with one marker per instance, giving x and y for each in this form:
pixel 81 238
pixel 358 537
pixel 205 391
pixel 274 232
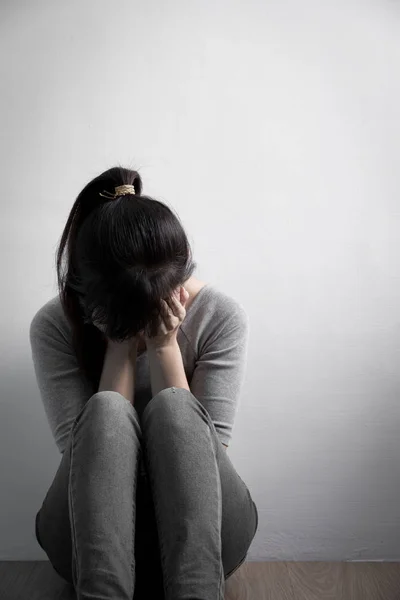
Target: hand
pixel 173 312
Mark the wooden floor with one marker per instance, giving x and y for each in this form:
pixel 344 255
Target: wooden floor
pixel 252 581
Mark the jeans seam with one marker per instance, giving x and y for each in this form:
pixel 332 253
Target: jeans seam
pixel 37 530
pixel 237 566
pixel 255 508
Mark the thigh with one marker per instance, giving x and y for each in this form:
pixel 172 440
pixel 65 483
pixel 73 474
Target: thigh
pixel 239 514
pixel 53 531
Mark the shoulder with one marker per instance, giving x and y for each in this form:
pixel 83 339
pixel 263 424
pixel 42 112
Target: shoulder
pixel 50 318
pixel 216 313
pixel 220 307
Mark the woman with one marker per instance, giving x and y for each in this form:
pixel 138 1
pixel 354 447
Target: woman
pixel 145 501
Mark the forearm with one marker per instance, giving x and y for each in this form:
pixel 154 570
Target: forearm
pixel 166 368
pixel 119 371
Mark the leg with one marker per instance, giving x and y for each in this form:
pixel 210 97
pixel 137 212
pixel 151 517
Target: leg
pixel 149 580
pixel 86 524
pixel 205 516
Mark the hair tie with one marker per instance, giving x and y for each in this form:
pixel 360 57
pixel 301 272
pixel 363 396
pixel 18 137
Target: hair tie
pixel 120 190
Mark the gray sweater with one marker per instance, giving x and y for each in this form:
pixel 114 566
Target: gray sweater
pixel 213 339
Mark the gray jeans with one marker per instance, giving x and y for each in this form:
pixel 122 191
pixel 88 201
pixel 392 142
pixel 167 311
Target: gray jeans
pixel 146 510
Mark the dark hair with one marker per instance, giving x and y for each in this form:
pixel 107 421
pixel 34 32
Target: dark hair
pixel 123 257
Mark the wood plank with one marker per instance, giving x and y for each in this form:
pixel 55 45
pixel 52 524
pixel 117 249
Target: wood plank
pixel 37 580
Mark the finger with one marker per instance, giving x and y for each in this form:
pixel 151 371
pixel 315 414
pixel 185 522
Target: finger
pixel 165 308
pixel 175 306
pixel 172 315
pixel 166 313
pixel 165 319
pixel 178 312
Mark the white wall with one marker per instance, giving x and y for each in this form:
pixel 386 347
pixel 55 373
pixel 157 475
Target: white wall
pixel 272 128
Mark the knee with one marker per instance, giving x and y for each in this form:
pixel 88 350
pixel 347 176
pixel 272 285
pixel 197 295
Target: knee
pixel 106 407
pixel 168 405
pixel 109 398
pixel 109 401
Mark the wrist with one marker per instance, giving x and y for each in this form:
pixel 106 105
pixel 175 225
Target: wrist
pixel 165 349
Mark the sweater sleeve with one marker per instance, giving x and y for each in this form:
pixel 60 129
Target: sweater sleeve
pixel 64 389
pixel 219 373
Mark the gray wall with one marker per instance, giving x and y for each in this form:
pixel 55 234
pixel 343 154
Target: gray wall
pixel 273 130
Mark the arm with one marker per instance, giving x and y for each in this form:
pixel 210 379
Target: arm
pixel 219 373
pixel 166 368
pixel 119 370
